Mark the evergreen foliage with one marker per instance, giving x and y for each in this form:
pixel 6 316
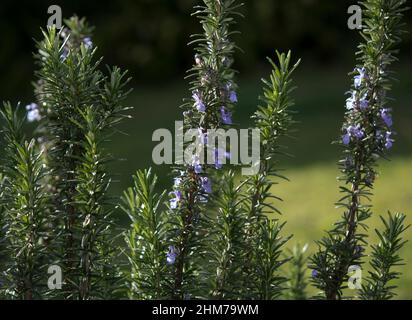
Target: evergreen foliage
pixel 214 235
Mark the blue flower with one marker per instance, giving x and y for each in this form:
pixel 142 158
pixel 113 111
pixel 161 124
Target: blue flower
pixel 171 255
pixel 357 132
pixel 363 103
pixel 206 184
pixel 351 101
pixel 232 93
pixel 32 106
pixel 388 140
pixel 359 78
pixel 200 106
pixel 174 202
pixel 346 138
pixel 315 273
pixel 386 117
pixel 177 181
pixel 233 96
pixel 226 116
pixel 198 168
pixel 33 113
pixel 88 43
pixel 352 131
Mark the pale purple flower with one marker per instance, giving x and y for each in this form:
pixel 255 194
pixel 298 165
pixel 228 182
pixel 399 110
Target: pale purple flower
pixel 359 78
pixel 33 113
pixel 386 117
pixel 232 93
pixel 388 140
pixel 177 181
pixel 233 96
pixel 346 138
pixel 200 106
pixel 357 132
pixel 315 273
pixel 88 43
pixel 206 184
pixel 174 202
pixel 32 106
pixel 350 102
pixel 198 168
pixel 226 115
pixel 171 255
pixel 352 131
pixel 363 103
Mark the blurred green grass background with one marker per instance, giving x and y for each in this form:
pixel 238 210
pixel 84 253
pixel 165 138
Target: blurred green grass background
pixel 309 197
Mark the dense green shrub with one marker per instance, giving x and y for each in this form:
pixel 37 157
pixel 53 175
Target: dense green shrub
pixel 215 236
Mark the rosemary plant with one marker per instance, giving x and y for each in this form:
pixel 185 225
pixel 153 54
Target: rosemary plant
pixel 146 239
pixel 25 210
pixel 273 119
pixel 296 273
pixel 384 257
pixel 227 241
pixel 213 98
pixel 367 136
pixel 215 235
pixel 78 107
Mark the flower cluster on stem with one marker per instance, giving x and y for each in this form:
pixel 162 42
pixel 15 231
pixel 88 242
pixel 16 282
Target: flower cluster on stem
pixel 367 135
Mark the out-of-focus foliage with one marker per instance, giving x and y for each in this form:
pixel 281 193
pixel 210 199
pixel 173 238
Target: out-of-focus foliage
pixel 150 36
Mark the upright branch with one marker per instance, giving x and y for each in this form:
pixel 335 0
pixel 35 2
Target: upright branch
pixel 78 108
pixel 385 257
pixel 213 98
pixel 147 238
pixel 226 241
pixel 273 119
pixel 367 135
pixel 297 268
pixel 25 214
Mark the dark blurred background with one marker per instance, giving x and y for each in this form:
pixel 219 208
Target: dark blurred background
pixel 149 38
